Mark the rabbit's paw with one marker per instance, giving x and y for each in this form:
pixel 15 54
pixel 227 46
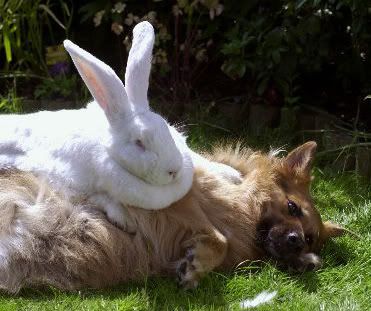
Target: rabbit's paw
pixel 228 173
pixel 116 213
pixel 120 217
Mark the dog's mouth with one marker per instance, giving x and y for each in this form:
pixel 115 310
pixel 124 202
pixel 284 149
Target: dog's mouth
pixel 289 250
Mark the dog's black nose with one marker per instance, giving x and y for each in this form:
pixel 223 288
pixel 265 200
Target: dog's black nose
pixel 294 241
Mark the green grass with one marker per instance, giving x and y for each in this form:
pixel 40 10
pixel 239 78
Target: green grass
pixel 344 282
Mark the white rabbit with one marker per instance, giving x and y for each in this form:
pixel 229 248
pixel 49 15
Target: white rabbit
pixel 115 151
pixel 116 148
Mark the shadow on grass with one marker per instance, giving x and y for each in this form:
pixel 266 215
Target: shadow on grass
pixel 338 253
pixel 212 294
pixel 156 294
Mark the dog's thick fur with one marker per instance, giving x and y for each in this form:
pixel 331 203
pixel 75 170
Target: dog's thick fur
pixel 45 239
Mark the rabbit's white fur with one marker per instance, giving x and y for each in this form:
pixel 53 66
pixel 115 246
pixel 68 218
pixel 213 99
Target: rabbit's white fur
pixel 115 147
pixel 115 150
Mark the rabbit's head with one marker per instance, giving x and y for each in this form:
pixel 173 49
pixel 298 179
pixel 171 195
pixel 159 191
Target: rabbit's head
pixel 141 140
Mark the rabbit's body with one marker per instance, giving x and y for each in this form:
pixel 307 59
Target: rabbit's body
pixel 64 146
pixel 61 145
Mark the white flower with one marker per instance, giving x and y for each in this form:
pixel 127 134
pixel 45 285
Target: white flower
pixel 117 28
pixel 216 10
pixel 151 17
pixel 127 43
pixel 349 29
pixel 201 55
pixel 163 34
pixel 176 10
pixel 98 18
pixel 160 57
pixel 318 13
pixel 363 55
pixel 219 9
pixel 119 7
pixel 129 19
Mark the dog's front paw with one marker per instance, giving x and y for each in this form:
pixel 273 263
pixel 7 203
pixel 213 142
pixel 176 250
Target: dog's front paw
pixel 189 270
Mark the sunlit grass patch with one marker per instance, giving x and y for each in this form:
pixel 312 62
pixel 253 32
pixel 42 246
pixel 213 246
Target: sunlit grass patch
pixel 343 283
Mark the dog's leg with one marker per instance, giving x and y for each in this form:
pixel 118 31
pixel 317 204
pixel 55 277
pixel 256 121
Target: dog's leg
pixel 203 253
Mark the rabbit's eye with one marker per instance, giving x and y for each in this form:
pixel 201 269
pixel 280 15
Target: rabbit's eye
pixel 140 144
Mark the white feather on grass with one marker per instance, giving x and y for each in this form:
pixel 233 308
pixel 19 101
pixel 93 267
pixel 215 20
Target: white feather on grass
pixel 263 297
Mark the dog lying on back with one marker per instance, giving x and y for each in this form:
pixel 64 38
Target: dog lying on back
pixel 46 239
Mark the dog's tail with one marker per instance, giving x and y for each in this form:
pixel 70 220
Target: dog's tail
pixel 24 220
pixel 47 238
pixel 25 203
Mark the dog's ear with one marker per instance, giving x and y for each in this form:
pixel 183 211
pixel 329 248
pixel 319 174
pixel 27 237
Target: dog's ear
pixel 331 230
pixel 300 159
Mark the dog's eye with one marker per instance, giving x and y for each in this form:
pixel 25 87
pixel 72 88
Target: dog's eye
pixel 309 239
pixel 294 210
pixel 140 144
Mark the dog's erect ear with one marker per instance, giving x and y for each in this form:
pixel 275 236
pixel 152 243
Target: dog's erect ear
pixel 301 158
pixel 331 230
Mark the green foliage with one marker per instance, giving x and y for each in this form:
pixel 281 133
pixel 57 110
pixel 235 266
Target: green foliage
pixel 185 31
pixel 22 25
pixel 280 42
pixel 10 103
pixel 276 45
pixel 60 86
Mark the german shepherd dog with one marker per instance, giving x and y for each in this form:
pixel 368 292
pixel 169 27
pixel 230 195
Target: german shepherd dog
pixel 47 239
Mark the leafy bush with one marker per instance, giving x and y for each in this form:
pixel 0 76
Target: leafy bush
pixel 281 52
pixel 287 41
pixel 59 86
pixel 22 27
pixel 10 103
pixel 277 47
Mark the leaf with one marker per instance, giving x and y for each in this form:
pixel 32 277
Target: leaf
pixel 66 9
pixel 232 48
pixel 276 56
pixel 18 34
pixel 234 69
pixel 7 46
pixel 283 86
pixel 367 97
pixel 52 15
pixel 312 25
pixel 300 4
pixel 262 86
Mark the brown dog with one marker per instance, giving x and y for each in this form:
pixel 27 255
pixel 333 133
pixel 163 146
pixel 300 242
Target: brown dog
pixel 44 238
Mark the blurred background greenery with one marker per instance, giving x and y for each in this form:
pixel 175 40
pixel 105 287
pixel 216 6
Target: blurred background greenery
pixel 259 70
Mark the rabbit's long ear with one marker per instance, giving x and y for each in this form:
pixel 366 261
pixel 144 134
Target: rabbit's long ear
pixel 102 82
pixel 139 65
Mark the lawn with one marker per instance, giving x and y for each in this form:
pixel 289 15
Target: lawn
pixel 344 282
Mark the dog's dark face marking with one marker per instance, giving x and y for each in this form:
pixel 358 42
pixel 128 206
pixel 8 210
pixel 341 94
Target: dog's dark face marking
pixel 290 228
